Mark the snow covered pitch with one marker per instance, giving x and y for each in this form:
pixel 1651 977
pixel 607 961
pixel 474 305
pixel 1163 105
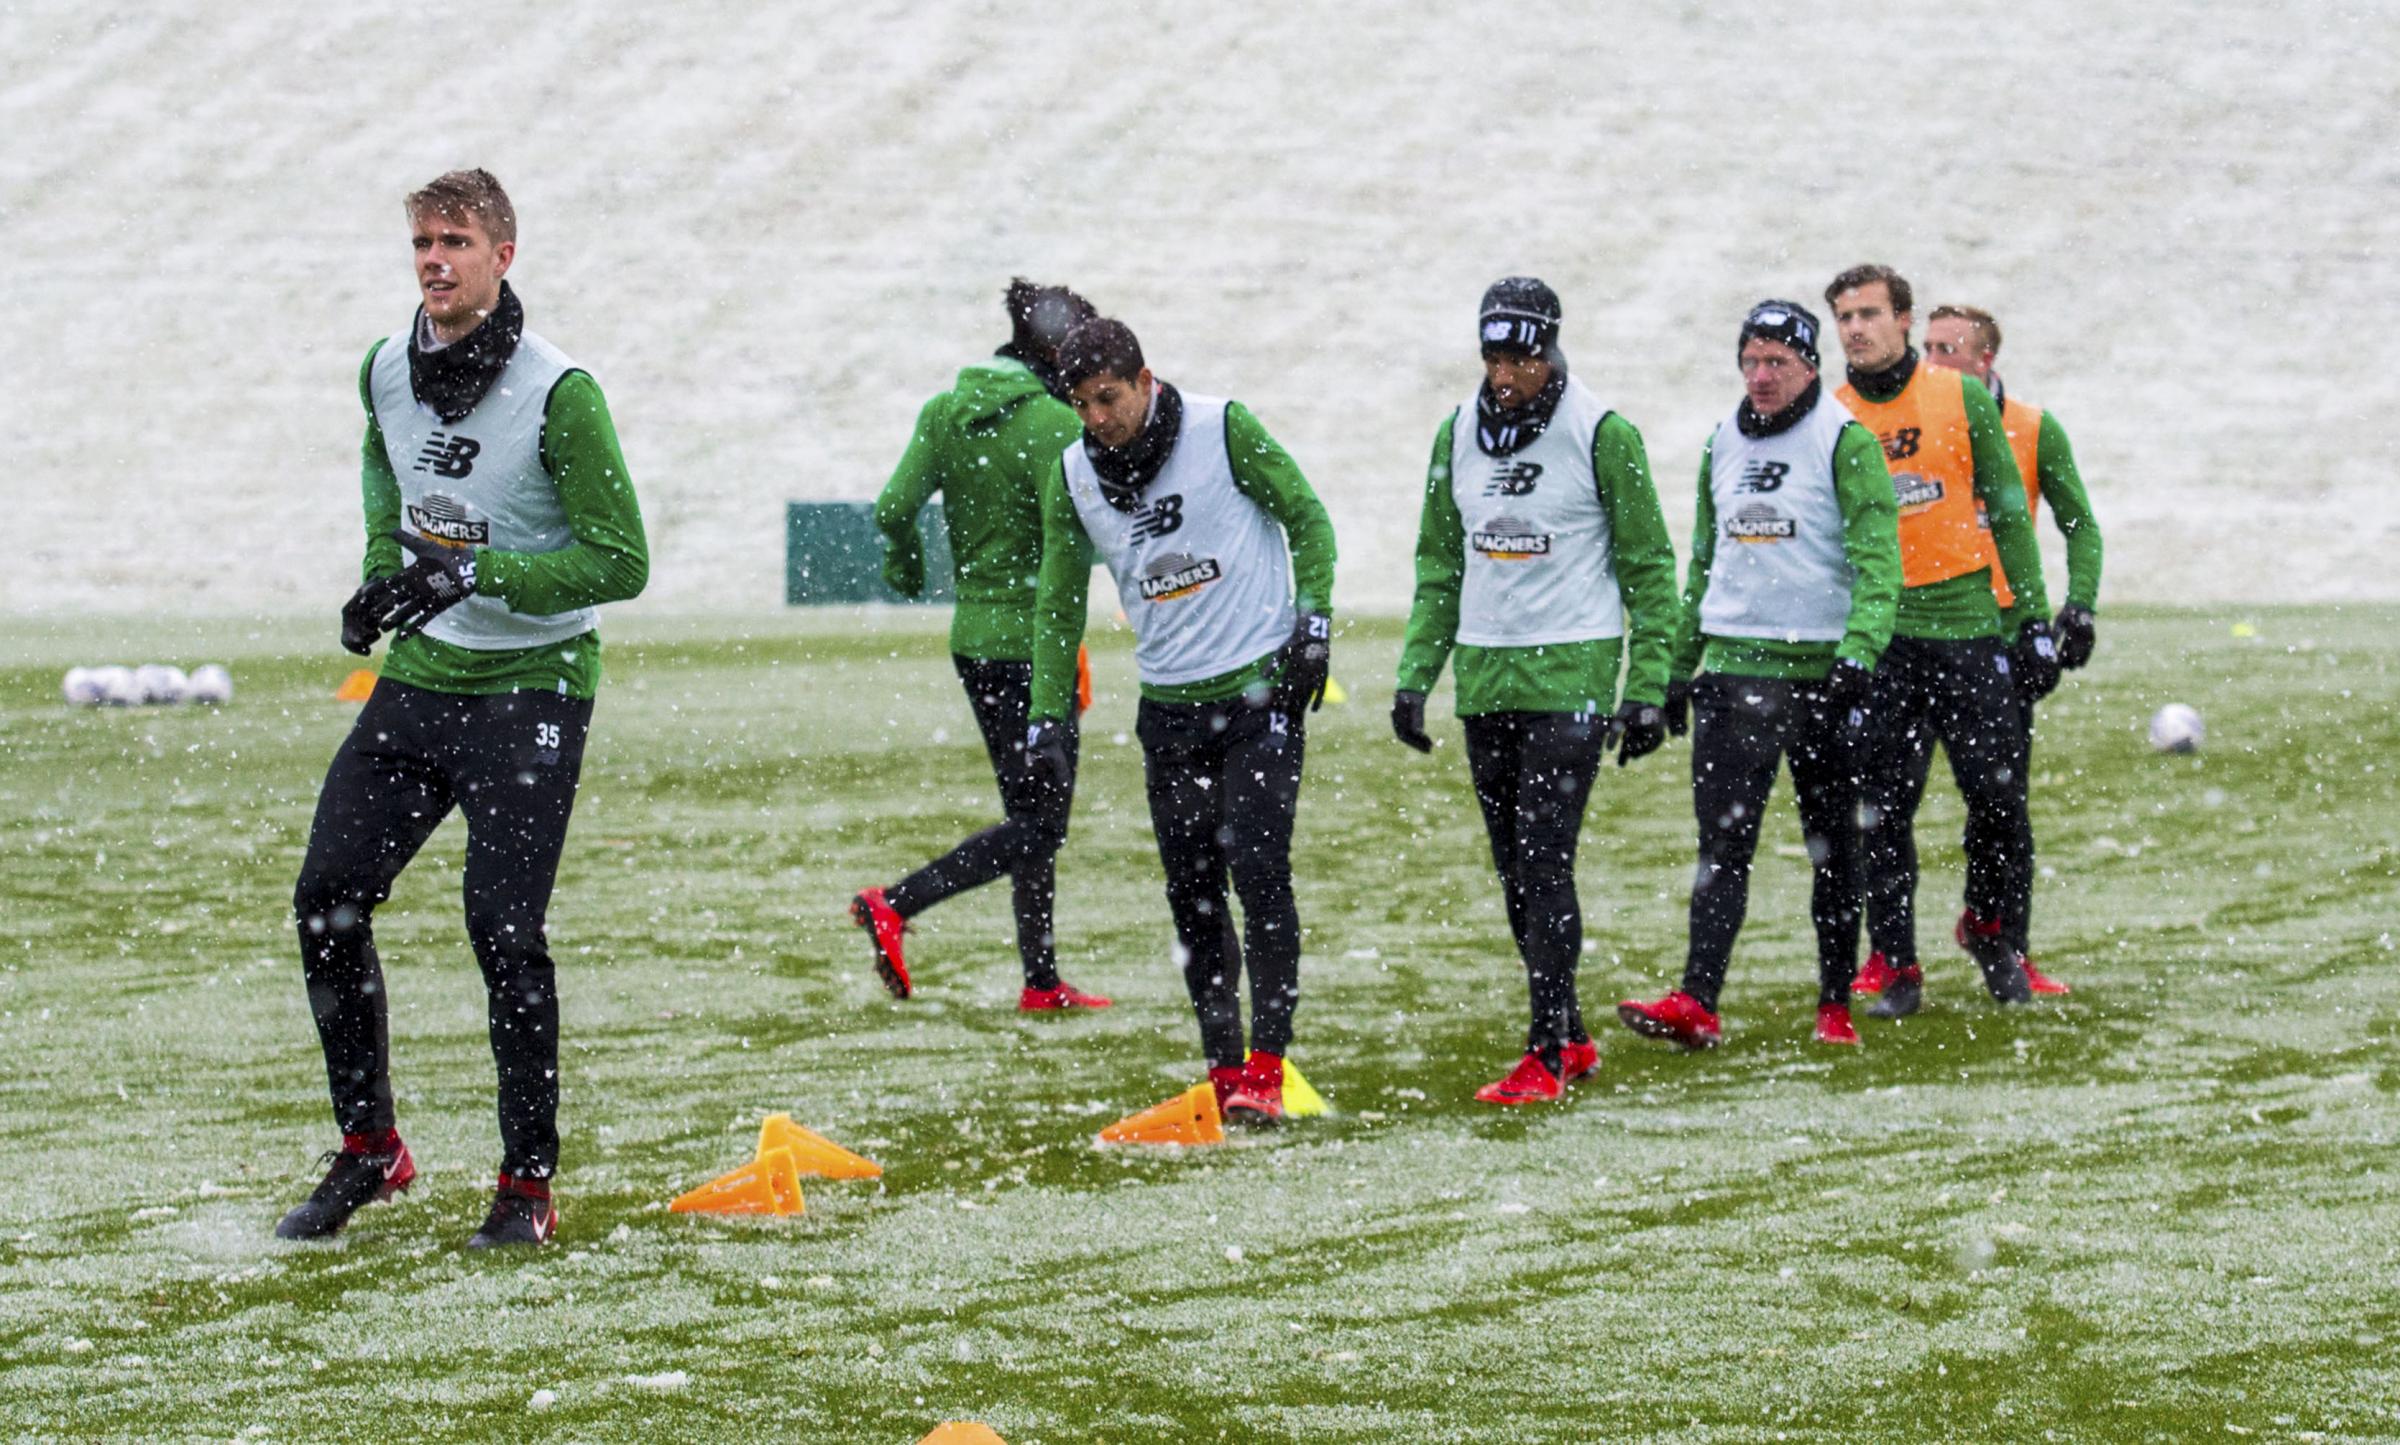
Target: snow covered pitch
pixel 2162 1209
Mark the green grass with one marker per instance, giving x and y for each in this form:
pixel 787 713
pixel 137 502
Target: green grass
pixel 2162 1210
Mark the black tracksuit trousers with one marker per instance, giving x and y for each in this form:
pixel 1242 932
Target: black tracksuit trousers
pixel 1533 774
pixel 1025 846
pixel 1742 727
pixel 1958 693
pixel 509 763
pixel 1224 784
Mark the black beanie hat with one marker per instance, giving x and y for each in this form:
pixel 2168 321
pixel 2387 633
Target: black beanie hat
pixel 1518 314
pixel 1786 321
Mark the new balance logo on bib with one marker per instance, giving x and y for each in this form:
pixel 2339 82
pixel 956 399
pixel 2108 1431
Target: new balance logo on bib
pixel 446 455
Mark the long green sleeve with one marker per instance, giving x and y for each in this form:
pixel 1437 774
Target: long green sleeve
pixel 1685 659
pixel 912 485
pixel 2002 491
pixel 1862 484
pixel 609 560
pixel 1265 473
pixel 380 489
pixel 2062 487
pixel 1643 558
pixel 1441 568
pixel 1061 600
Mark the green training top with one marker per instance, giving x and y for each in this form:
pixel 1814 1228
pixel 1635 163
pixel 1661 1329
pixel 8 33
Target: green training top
pixel 985 445
pixel 2071 508
pixel 609 560
pixel 1560 677
pixel 1963 606
pixel 1862 487
pixel 1265 473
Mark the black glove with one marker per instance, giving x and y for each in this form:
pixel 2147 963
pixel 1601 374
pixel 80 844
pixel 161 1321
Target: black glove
pixel 2076 635
pixel 1408 720
pixel 1050 750
pixel 2034 660
pixel 362 616
pixel 1637 730
pixel 1847 688
pixel 1302 665
pixel 1679 707
pixel 440 579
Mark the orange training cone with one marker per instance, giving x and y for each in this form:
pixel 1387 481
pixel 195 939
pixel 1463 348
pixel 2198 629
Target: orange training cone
pixel 357 687
pixel 812 1153
pixel 769 1184
pixel 963 1432
pixel 1188 1118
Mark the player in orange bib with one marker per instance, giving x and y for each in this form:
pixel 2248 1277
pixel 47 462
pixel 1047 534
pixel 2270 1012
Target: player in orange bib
pixel 1967 338
pixel 1957 660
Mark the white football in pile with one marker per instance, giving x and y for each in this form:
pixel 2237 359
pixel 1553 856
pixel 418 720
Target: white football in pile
pixel 81 686
pixel 117 687
pixel 160 682
pixel 210 684
pixel 2176 728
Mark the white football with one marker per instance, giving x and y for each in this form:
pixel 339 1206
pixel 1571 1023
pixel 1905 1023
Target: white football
pixel 116 684
pixel 160 682
pixel 210 684
pixel 2176 728
pixel 81 687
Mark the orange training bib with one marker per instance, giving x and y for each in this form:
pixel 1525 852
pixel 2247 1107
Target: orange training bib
pixel 1924 435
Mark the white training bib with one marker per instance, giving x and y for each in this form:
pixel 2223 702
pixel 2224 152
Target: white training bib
pixel 480 482
pixel 1780 571
pixel 1203 573
pixel 1539 566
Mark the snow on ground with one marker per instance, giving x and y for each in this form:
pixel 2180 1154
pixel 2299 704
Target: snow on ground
pixel 771 232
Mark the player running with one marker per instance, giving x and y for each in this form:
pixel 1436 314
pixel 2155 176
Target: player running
pixel 985 445
pixel 1956 660
pixel 1968 339
pixel 1183 498
pixel 1787 606
pixel 499 515
pixel 1543 560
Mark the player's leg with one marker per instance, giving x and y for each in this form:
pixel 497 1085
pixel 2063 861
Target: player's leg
pixel 1023 846
pixel 1825 781
pixel 384 794
pixel 1180 756
pixel 515 768
pixel 1559 758
pixel 1259 778
pixel 1982 731
pixel 1895 757
pixel 1493 744
pixel 1738 728
pixel 2019 933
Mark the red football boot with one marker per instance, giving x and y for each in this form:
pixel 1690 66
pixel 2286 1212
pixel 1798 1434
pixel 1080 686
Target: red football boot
pixel 367 1167
pixel 1578 1061
pixel 1528 1083
pixel 884 927
pixel 1834 1026
pixel 1678 1017
pixel 2039 981
pixel 1874 976
pixel 1256 1092
pixel 1057 999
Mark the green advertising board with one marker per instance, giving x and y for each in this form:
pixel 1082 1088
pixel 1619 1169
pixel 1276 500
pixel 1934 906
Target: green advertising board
pixel 833 554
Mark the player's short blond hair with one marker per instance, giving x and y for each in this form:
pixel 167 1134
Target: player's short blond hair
pixel 1987 329
pixel 468 195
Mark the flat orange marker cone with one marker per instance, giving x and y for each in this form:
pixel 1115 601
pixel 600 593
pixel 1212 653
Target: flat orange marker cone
pixel 1188 1118
pixel 769 1184
pixel 814 1155
pixel 963 1432
pixel 357 687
